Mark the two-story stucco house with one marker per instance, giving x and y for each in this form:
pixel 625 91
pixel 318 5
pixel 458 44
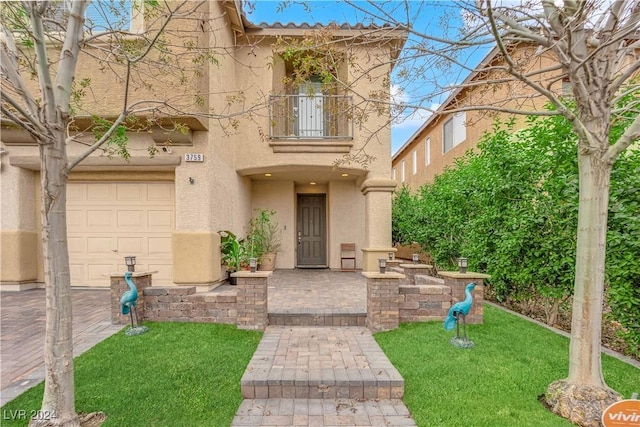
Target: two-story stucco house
pixel 450 131
pixel 167 209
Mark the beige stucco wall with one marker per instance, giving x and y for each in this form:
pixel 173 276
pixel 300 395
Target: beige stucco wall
pixel 280 197
pixel 346 219
pixel 18 219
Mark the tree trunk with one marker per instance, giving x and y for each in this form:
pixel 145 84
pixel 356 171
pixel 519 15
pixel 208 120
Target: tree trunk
pixel 583 396
pixel 58 407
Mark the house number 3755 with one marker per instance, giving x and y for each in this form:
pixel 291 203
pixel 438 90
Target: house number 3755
pixel 194 157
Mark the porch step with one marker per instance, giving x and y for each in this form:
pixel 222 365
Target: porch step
pixel 320 363
pixel 309 317
pixel 322 412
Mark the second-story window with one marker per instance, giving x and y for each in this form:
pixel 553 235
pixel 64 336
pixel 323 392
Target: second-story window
pixel 414 163
pixel 309 112
pixel 454 131
pixel 427 151
pixel 101 16
pixel 402 171
pixel 393 174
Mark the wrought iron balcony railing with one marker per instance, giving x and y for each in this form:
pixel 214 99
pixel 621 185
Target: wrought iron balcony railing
pixel 310 117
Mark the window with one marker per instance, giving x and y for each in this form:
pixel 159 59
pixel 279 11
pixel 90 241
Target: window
pixel 393 174
pixel 454 131
pixel 427 151
pixel 102 16
pixel 414 165
pixel 402 171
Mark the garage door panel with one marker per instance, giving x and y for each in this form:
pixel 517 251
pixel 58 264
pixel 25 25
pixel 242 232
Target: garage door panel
pixel 99 192
pixel 108 221
pixel 77 272
pixel 159 245
pixel 131 245
pixel 99 246
pixel 158 218
pixel 76 245
pixel 131 192
pixel 160 193
pixel 76 192
pixel 76 218
pixel 100 218
pixel 131 218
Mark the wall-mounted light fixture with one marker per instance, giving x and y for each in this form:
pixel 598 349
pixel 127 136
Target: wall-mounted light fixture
pixel 415 258
pixel 382 263
pixel 267 174
pixel 390 256
pixel 191 180
pixel 462 264
pixel 253 264
pixel 130 261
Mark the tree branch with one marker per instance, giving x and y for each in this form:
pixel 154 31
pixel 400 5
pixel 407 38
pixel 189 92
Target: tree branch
pixel 630 135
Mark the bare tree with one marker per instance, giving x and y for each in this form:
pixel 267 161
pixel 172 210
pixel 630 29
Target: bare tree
pixel 539 47
pixel 42 46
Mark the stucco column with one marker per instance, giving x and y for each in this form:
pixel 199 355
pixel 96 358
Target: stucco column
pixel 18 228
pixel 195 241
pixel 377 220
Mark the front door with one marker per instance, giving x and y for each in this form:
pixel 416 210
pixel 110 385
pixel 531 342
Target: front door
pixel 312 244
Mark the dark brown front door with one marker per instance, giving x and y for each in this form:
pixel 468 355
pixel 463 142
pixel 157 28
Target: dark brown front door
pixel 312 244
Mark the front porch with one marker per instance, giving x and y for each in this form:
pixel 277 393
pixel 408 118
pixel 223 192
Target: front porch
pixel 309 297
pixel 317 298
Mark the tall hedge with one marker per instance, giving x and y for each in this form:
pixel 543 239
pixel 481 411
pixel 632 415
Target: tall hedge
pixel 512 208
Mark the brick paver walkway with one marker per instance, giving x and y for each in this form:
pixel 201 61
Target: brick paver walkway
pixel 22 334
pixel 323 370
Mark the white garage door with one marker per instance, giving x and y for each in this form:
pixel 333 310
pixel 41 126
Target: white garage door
pixel 108 221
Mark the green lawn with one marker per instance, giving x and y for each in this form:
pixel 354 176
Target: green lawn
pixel 182 374
pixel 177 374
pixel 494 384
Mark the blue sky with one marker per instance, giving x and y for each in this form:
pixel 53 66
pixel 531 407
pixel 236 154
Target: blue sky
pixel 429 17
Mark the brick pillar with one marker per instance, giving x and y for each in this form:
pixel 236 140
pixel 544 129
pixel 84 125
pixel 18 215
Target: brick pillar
pixel 458 282
pixel 411 270
pixel 252 299
pixel 383 300
pixel 119 286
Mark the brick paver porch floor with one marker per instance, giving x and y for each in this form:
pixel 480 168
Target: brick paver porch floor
pixel 316 291
pixel 317 298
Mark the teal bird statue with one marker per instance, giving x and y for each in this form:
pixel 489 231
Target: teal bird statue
pixel 129 299
pixel 461 308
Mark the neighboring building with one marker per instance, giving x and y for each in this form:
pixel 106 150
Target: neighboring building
pixel 167 209
pixel 445 136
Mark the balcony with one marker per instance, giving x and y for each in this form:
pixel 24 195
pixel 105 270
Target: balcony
pixel 310 117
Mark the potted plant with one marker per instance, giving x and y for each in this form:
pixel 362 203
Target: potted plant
pixel 265 237
pixel 233 253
